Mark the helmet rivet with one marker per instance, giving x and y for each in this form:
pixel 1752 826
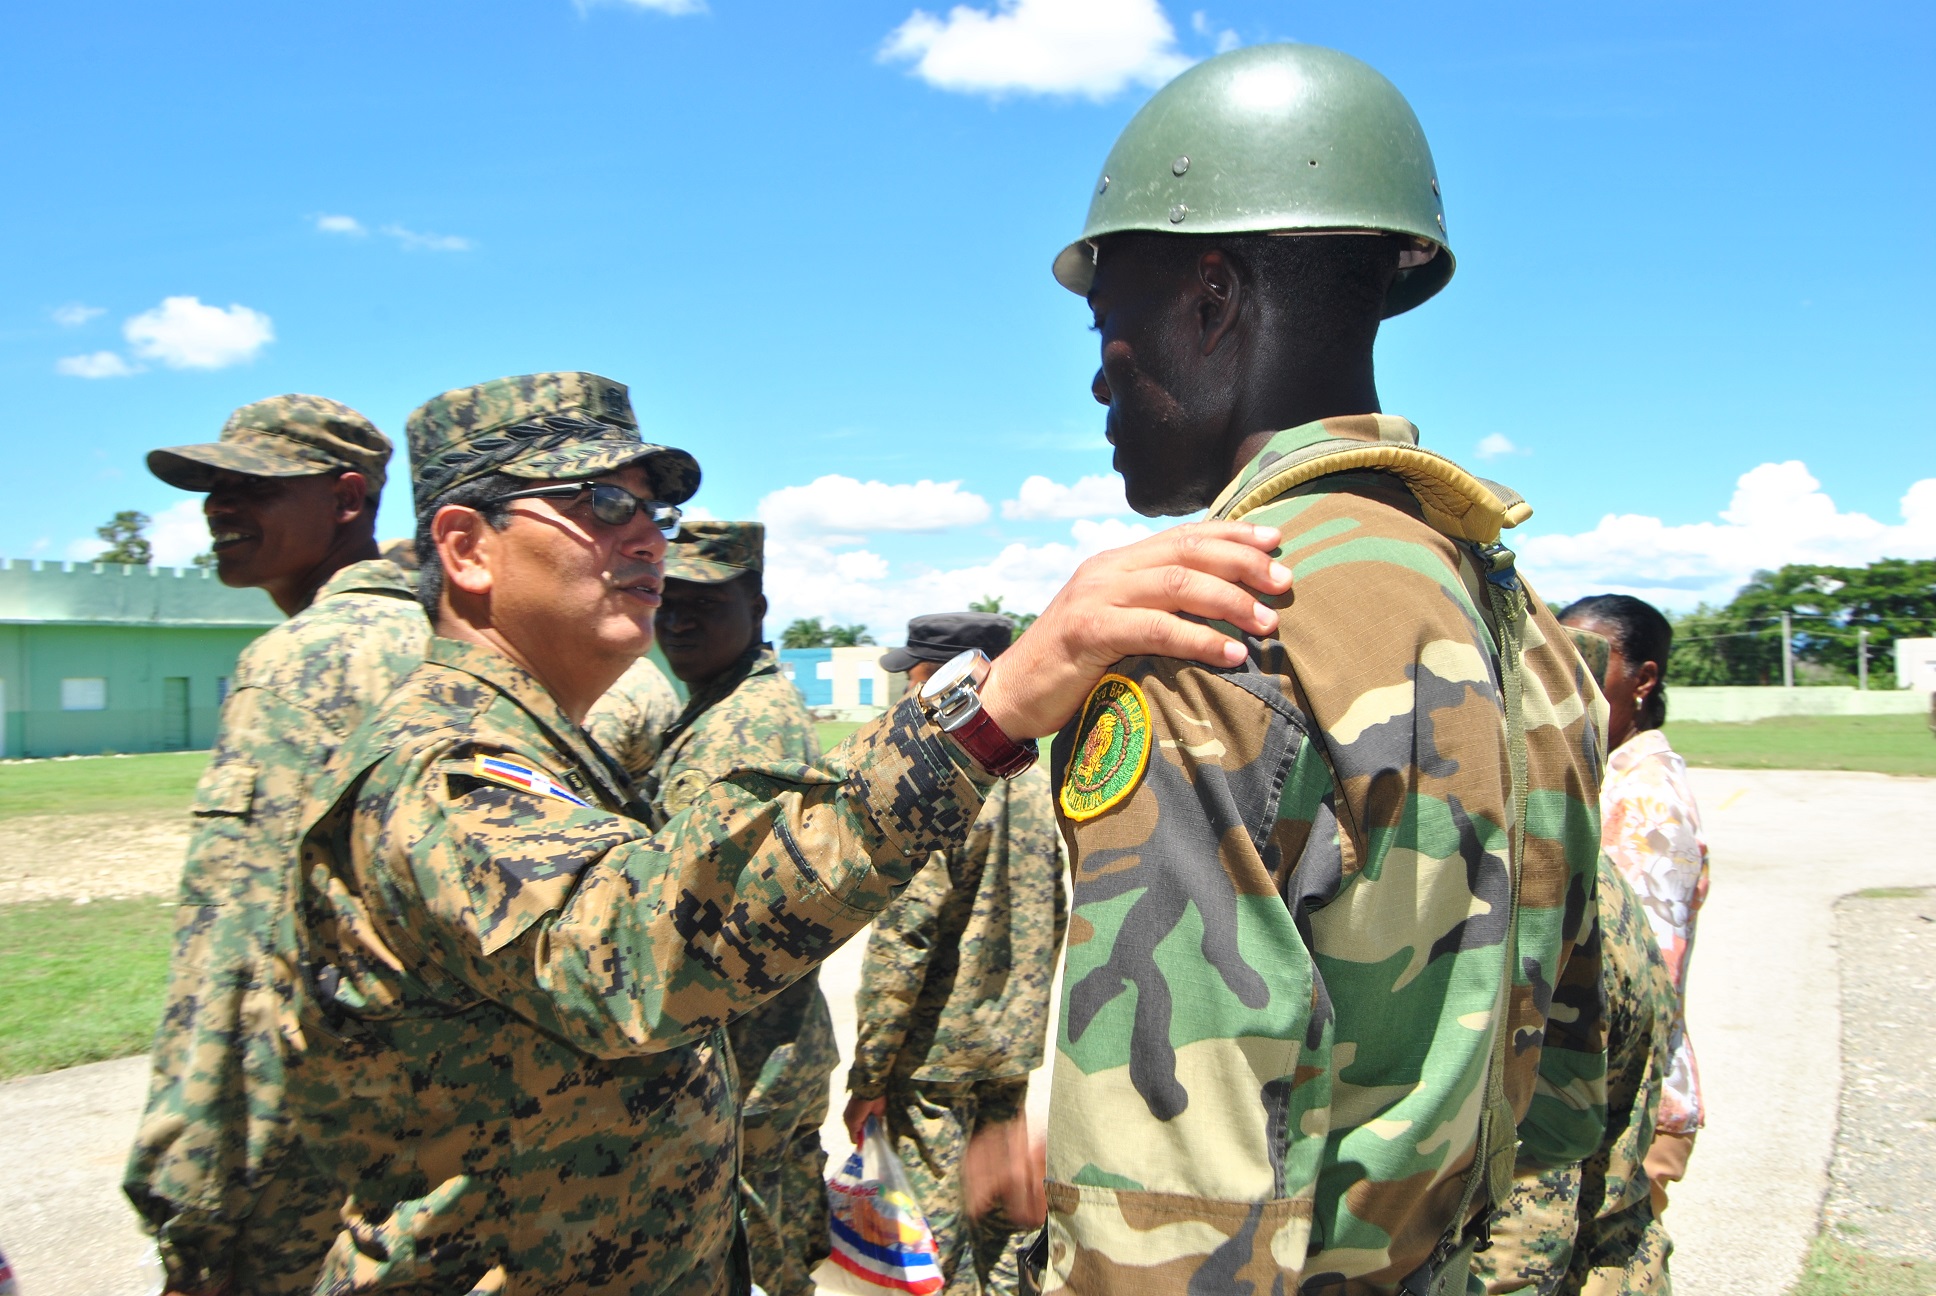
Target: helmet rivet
pixel 1179 166
pixel 1435 186
pixel 1103 188
pixel 1177 213
pixel 1441 222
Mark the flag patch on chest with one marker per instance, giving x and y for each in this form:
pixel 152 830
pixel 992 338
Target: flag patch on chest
pixel 510 773
pixel 1112 749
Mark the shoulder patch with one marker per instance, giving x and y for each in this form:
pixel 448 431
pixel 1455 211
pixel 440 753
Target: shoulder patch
pixel 1112 749
pixel 496 769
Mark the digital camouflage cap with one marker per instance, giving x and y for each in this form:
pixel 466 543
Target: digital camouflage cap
pixel 545 425
pixel 711 552
pixel 283 436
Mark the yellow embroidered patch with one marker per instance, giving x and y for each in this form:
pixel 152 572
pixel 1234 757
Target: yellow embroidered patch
pixel 1112 749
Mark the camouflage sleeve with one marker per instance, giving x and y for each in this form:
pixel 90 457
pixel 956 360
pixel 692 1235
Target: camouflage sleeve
pixel 1533 1235
pixel 621 942
pixel 892 974
pixel 214 1126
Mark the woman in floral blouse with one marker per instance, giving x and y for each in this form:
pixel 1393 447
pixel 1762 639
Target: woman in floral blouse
pixel 1651 829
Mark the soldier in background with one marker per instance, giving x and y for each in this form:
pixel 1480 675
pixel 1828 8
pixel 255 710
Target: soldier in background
pixel 953 1005
pixel 743 711
pixel 513 990
pixel 1590 1229
pixel 1332 950
pixel 233 1200
pixel 631 720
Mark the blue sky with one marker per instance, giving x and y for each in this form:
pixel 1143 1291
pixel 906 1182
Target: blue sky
pixel 1693 287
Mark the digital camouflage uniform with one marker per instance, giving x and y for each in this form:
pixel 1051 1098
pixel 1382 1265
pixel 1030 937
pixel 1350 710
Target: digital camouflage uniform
pixel 1297 912
pixel 953 1010
pixel 631 720
pixel 214 1172
pixel 513 991
pixel 784 1050
pixel 1590 1229
pixel 213 1169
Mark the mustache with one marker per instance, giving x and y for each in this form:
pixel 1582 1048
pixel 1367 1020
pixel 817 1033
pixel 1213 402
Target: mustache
pixel 635 574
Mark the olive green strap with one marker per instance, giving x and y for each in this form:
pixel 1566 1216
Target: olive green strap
pixel 1497 1146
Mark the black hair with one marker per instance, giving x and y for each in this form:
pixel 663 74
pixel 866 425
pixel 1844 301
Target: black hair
pixel 486 495
pixel 1329 286
pixel 1641 633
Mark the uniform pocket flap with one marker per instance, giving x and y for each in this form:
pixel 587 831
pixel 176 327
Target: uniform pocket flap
pixel 227 788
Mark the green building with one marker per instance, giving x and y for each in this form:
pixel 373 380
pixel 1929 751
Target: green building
pixel 99 657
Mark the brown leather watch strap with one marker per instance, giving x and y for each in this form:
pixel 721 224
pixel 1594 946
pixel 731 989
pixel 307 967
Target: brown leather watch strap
pixel 992 749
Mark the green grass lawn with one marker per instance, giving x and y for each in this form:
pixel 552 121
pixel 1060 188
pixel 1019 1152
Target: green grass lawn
pixel 80 983
pixel 1894 744
pixel 100 784
pixel 1837 1266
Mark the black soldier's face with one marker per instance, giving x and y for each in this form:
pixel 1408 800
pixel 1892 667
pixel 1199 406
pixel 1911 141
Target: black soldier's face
pixel 1168 407
pixel 267 531
pixel 704 627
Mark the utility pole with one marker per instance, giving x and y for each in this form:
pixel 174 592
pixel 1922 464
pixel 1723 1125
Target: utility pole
pixel 1787 651
pixel 1862 657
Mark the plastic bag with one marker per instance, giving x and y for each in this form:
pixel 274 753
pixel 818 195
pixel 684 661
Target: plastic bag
pixel 881 1242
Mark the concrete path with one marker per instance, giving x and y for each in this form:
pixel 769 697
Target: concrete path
pixel 1763 1011
pixel 1763 1007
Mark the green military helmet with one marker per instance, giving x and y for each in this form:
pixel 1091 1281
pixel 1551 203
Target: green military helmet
pixel 1270 139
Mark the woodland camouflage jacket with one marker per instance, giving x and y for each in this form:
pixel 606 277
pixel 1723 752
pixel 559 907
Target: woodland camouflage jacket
pixel 515 991
pixel 1293 922
pixel 215 1128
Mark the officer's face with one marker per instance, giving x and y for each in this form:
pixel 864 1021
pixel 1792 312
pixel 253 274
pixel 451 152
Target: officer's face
pixel 271 531
pixel 1168 402
pixel 572 597
pixel 703 628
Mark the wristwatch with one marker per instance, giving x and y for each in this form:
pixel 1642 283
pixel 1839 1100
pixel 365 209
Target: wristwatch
pixel 952 699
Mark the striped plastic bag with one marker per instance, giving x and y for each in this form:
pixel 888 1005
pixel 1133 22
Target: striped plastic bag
pixel 881 1241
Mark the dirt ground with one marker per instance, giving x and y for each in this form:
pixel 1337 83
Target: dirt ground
pixel 91 856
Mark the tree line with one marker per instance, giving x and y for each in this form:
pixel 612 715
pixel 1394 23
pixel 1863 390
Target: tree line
pixel 1828 608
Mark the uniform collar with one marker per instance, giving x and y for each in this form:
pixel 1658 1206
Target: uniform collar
pixel 371 576
pixel 759 659
pixel 1370 429
pixel 522 687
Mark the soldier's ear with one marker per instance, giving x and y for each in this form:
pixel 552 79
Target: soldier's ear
pixel 352 495
pixel 1220 293
pixel 464 543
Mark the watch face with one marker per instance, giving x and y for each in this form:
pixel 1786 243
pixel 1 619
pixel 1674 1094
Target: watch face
pixel 953 672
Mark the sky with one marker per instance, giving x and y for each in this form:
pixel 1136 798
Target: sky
pixel 1691 320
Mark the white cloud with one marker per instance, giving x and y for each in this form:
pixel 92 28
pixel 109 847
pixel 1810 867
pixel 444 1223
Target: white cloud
pixel 75 314
pixel 1494 444
pixel 807 578
pixel 178 533
pixel 95 364
pixel 182 333
pixel 1226 39
pixel 1779 515
pixel 1098 495
pixel 413 241
pixel 85 550
pixel 341 225
pixel 832 505
pixel 1085 47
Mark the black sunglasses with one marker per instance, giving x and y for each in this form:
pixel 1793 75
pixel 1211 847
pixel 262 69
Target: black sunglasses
pixel 612 505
